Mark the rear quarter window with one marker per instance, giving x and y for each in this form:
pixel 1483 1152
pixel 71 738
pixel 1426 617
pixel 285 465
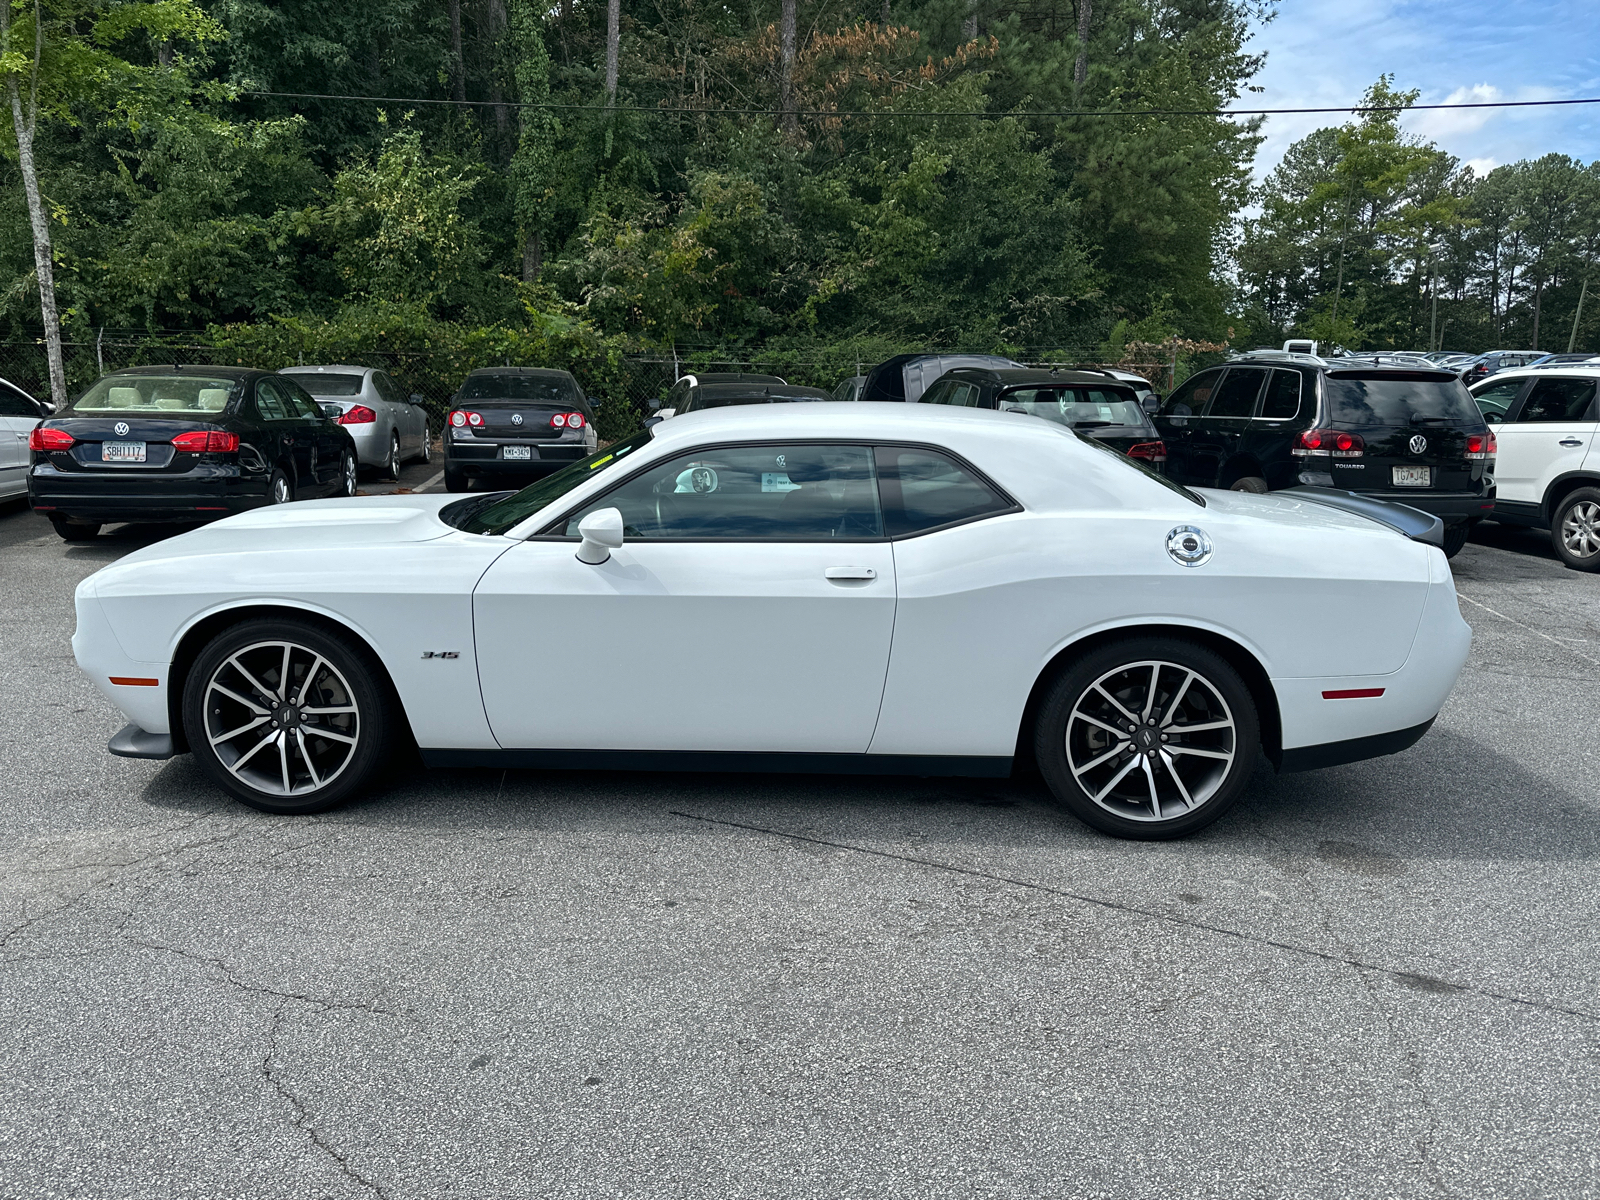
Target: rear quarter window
pixel 1392 398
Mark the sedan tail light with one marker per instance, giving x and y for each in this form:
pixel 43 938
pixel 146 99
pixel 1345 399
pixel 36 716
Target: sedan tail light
pixel 1481 445
pixel 1149 451
pixel 201 441
pixel 462 418
pixel 1328 441
pixel 567 420
pixel 43 438
pixel 358 415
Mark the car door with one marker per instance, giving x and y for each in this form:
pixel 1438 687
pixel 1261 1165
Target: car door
pixel 1284 410
pixel 750 608
pixel 1178 421
pixel 1547 435
pixel 399 412
pixel 18 416
pixel 327 439
pixel 294 441
pixel 1224 423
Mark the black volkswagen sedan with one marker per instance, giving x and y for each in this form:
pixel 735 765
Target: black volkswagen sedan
pixel 184 444
pixel 1094 403
pixel 517 423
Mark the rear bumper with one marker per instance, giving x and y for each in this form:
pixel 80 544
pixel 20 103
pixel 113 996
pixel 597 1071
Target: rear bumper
pixel 1450 507
pixel 207 493
pixel 487 460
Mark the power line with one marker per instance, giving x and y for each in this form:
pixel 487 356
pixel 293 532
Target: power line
pixel 925 115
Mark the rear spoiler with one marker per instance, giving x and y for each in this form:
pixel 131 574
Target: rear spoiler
pixel 1402 518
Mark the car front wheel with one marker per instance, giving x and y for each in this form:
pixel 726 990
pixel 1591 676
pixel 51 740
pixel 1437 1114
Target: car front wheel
pixel 1148 738
pixel 287 716
pixel 1575 532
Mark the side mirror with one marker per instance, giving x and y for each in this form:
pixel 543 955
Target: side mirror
pixel 601 532
pixel 651 421
pixel 1493 418
pixel 416 398
pixel 48 408
pixel 653 403
pixel 1152 405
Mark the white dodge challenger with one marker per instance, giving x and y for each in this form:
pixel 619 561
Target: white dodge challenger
pixel 874 588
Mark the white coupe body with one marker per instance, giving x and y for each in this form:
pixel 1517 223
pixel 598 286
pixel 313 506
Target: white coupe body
pixel 916 652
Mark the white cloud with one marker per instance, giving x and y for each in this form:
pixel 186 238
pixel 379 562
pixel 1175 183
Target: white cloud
pixel 1445 123
pixel 1481 166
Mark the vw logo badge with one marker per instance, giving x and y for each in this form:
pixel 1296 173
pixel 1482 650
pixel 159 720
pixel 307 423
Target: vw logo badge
pixel 1418 443
pixel 1189 546
pixel 516 418
pixel 122 428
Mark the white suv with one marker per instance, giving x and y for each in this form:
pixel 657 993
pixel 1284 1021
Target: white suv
pixel 1547 469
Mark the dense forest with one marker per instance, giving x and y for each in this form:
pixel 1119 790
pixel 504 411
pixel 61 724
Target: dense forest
pixel 815 182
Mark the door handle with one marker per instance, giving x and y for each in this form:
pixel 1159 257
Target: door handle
pixel 1571 441
pixel 837 573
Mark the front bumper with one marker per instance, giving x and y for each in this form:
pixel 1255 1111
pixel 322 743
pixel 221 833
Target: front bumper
pixel 208 492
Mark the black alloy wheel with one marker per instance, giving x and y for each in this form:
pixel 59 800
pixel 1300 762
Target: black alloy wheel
pixel 347 474
pixel 74 531
pixel 287 716
pixel 1575 531
pixel 279 489
pixel 1148 737
pixel 391 467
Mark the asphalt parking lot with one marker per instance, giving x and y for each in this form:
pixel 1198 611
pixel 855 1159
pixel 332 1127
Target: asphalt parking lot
pixel 1381 980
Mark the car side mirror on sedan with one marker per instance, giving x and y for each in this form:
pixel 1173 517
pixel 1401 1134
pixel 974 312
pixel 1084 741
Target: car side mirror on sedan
pixel 601 532
pixel 1492 418
pixel 418 400
pixel 653 403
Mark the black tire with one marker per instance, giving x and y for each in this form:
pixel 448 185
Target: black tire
pixel 391 465
pixel 280 488
pixel 1575 530
pixel 1250 483
pixel 1455 537
pixel 71 531
pixel 1193 683
pixel 347 475
pixel 456 481
pixel 347 675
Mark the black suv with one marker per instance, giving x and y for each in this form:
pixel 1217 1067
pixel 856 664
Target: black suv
pixel 1096 403
pixel 519 423
pixel 1273 420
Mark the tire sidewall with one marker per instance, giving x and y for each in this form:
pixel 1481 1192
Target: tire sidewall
pixel 272 487
pixel 359 668
pixel 1580 496
pixel 1075 678
pixel 347 474
pixel 1257 486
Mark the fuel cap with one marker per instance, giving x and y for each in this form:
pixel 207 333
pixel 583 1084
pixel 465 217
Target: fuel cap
pixel 1189 546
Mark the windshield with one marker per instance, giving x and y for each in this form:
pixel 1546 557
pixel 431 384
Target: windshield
pixel 329 385
pixel 157 394
pixel 1394 398
pixel 518 387
pixel 1090 407
pixel 503 514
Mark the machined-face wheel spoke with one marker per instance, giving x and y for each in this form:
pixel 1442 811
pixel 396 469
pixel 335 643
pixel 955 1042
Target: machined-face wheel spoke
pixel 289 739
pixel 1167 760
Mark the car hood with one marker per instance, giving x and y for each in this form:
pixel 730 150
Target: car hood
pixel 309 524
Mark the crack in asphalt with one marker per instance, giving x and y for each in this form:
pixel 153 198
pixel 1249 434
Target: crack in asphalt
pixel 1156 915
pixel 302 1116
pixel 230 978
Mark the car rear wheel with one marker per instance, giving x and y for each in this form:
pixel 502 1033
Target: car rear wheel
pixel 287 716
pixel 391 466
pixel 71 531
pixel 1147 738
pixel 456 481
pixel 1251 483
pixel 1455 537
pixel 279 489
pixel 1575 532
pixel 347 474
pixel 427 444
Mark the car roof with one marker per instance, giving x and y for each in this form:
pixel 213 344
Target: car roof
pixel 547 372
pixel 1010 376
pixel 757 390
pixel 712 378
pixel 342 367
pixel 1584 370
pixel 239 373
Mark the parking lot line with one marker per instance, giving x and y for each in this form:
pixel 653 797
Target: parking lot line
pixel 433 479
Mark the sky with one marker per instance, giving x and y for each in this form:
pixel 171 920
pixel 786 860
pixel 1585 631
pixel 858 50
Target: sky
pixel 1328 52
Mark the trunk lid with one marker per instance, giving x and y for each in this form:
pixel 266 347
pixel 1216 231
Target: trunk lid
pixel 153 433
pixel 1415 426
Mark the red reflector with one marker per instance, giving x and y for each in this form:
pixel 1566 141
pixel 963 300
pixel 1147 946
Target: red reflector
pixel 359 415
pixel 1353 694
pixel 201 441
pixel 210 508
pixel 43 438
pixel 130 681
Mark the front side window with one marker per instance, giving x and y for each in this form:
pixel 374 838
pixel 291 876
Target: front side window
pixel 156 393
pixel 1189 399
pixel 1282 401
pixel 1558 400
pixel 749 493
pixel 1237 395
pixel 923 490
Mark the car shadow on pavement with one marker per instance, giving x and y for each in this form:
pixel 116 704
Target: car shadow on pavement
pixel 1515 539
pixel 1448 798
